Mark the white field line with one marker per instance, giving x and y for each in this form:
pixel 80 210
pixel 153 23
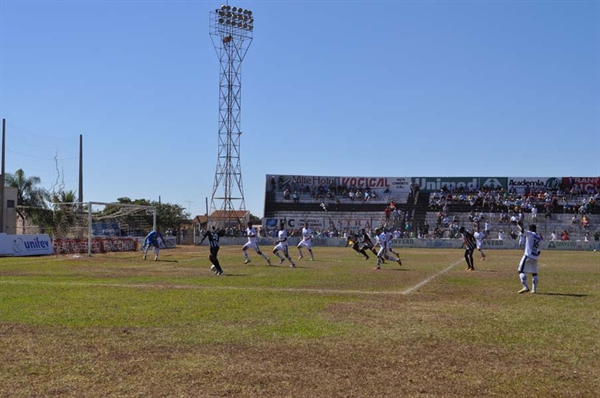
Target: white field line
pixel 260 289
pixel 432 277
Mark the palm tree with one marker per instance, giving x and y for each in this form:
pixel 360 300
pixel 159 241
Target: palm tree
pixel 28 194
pixel 65 214
pixel 30 198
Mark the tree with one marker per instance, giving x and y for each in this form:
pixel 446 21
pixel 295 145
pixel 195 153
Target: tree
pixel 167 215
pixel 30 198
pixel 28 194
pixel 65 215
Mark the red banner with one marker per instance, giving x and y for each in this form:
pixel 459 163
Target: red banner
pixel 585 184
pixel 99 245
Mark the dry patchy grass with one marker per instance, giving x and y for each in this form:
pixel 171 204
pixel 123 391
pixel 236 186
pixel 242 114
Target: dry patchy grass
pixel 117 326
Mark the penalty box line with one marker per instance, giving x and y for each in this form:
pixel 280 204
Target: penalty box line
pixel 426 281
pixel 196 287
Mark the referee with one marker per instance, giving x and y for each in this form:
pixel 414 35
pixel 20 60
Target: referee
pixel 470 244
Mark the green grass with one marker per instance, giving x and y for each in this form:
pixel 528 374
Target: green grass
pixel 115 325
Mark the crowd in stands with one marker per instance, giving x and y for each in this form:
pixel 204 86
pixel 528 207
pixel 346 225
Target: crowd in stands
pixel 332 193
pixel 509 203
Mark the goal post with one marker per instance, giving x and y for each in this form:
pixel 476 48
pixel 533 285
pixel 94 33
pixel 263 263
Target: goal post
pixel 99 227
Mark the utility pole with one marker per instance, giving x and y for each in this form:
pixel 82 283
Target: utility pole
pixel 2 207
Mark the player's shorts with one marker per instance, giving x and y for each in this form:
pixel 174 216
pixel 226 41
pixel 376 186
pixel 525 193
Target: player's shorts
pixel 382 252
pixel 528 265
pixel 251 245
pixel 305 243
pixel 151 242
pixel 479 245
pixel 283 246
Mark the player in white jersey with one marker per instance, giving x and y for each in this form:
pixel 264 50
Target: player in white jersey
pixel 389 236
pixel 479 237
pixel 306 242
pixel 529 262
pixel 382 254
pixel 282 244
pixel 253 244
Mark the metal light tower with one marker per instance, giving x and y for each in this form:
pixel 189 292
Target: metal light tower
pixel 231 33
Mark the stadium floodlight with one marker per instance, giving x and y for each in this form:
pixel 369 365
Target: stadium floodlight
pixel 235 17
pixel 231 31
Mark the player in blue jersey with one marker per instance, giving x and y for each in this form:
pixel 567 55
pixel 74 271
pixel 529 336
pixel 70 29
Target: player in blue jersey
pixel 152 240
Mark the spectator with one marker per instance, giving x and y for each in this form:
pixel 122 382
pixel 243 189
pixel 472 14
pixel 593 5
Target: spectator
pixel 585 222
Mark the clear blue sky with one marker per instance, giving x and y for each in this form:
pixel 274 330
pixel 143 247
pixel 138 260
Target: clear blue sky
pixel 348 88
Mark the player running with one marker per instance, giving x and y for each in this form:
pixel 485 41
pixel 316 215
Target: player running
pixel 367 243
pixel 389 236
pixel 253 243
pixel 306 242
pixel 354 239
pixel 213 242
pixel 479 237
pixel 282 244
pixel 382 254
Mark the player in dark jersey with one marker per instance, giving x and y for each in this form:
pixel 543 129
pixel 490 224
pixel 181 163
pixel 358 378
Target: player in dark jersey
pixel 213 242
pixel 367 243
pixel 470 244
pixel 356 239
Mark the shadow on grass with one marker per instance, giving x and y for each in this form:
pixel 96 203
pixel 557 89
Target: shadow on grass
pixel 562 294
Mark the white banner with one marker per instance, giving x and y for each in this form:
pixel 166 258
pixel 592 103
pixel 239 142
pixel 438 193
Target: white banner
pixel 25 245
pixel 537 183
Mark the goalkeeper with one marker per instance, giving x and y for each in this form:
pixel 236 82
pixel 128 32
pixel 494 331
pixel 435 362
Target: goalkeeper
pixel 152 240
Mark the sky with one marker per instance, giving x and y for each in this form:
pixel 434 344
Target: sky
pixel 329 88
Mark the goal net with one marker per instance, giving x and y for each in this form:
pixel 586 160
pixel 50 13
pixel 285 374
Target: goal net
pixel 95 227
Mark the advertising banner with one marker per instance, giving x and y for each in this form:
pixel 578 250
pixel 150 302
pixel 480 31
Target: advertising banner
pixel 106 229
pixel 519 183
pixel 314 223
pixel 585 184
pixel 28 245
pixel 99 245
pixel 433 184
pixel 391 185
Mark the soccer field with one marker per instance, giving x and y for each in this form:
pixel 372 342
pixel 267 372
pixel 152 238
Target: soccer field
pixel 115 325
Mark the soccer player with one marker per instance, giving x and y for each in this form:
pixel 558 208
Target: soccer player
pixel 479 237
pixel 389 236
pixel 355 238
pixel 381 241
pixel 152 240
pixel 529 262
pixel 282 244
pixel 253 243
pixel 469 243
pixel 306 242
pixel 213 243
pixel 367 243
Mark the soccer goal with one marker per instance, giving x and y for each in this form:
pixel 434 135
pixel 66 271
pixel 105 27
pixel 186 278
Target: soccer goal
pixel 96 227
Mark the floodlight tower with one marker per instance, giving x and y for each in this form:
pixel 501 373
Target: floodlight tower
pixel 231 33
